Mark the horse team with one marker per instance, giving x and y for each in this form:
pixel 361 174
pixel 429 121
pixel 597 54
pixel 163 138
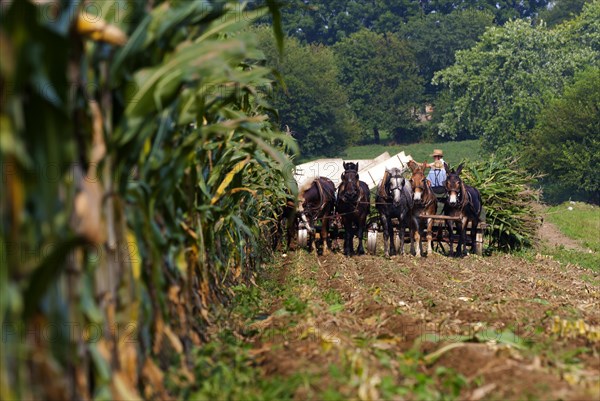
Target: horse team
pixel 409 201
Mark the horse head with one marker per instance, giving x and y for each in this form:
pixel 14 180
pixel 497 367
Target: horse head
pixel 418 181
pixel 454 185
pixel 350 187
pixel 395 185
pixel 350 166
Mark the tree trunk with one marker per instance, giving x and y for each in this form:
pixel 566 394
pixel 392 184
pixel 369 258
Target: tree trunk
pixel 376 135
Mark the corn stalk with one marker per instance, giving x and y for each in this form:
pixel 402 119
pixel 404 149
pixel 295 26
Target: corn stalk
pixel 140 176
pixel 509 201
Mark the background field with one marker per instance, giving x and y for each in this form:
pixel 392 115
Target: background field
pixel 580 224
pixel 454 151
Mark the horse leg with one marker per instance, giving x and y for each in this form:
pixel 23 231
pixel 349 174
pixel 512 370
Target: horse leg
pixel 390 230
pixel 402 224
pixel 324 233
pixel 362 223
pixel 411 233
pixel 351 239
pixel 463 236
pixel 347 237
pixel 465 223
pixel 416 236
pixel 332 239
pixel 386 235
pixel 450 226
pixel 429 236
pixel 290 228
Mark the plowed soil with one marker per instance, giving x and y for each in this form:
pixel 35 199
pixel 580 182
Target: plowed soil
pixel 506 327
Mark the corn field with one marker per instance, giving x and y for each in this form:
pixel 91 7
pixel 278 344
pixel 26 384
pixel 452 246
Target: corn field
pixel 509 200
pixel 141 179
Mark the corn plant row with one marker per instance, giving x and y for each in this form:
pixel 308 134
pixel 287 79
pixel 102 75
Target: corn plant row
pixel 509 201
pixel 145 177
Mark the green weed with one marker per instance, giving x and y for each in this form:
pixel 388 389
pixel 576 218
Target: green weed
pixel 332 297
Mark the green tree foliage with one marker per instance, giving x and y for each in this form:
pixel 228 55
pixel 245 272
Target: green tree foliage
pixel 565 143
pixel 141 178
pixel 559 11
pixel 379 72
pixel 329 21
pixel 310 101
pixel 498 87
pixel 435 38
pixel 503 10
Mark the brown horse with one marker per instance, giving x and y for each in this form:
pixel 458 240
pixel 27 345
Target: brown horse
pixel 317 200
pixel 425 202
pixel 465 202
pixel 286 219
pixel 353 204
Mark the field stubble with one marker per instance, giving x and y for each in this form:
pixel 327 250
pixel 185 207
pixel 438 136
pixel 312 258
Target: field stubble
pixel 499 327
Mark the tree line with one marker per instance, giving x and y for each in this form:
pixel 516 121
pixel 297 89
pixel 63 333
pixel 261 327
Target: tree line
pixel 354 69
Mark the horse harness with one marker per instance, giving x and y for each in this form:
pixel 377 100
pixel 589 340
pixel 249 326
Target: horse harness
pixel 361 194
pixel 422 188
pixel 320 208
pixel 465 200
pixel 388 194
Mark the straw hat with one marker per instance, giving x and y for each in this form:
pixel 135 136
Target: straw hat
pixel 437 152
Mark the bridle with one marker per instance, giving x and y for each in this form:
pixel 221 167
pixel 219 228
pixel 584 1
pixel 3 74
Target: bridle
pixel 359 190
pixel 423 186
pixel 391 188
pixel 424 190
pixel 396 177
pixel 345 184
pixel 460 199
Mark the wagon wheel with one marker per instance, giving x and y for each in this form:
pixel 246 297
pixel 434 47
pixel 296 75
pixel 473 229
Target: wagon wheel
pixel 396 239
pixel 302 237
pixel 439 244
pixel 372 241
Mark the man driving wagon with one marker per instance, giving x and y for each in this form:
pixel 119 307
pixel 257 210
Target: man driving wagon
pixel 437 175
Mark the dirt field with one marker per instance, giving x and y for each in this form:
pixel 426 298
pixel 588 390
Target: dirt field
pixel 497 327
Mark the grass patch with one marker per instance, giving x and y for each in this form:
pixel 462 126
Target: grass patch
pixel 579 221
pixel 569 256
pixel 223 370
pixel 454 151
pixel 332 297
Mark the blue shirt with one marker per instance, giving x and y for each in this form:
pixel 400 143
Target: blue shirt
pixel 437 176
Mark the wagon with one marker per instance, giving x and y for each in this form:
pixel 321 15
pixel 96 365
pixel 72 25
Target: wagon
pixel 441 237
pixel 372 172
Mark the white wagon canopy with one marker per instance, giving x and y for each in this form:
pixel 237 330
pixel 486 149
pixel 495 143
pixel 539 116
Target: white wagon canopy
pixel 371 171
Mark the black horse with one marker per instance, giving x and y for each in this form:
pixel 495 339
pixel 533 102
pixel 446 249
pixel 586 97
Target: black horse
pixel 354 205
pixel 286 222
pixel 462 201
pixel 394 200
pixel 317 202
